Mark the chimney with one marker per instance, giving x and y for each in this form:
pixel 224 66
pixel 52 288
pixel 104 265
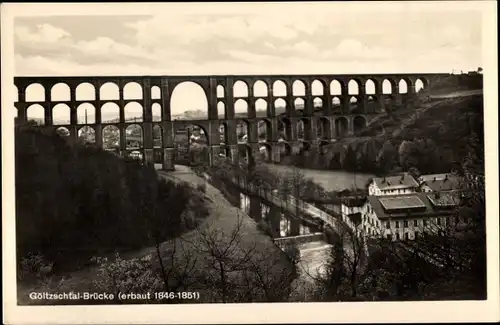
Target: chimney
pixel 446 177
pixel 385 180
pixel 434 179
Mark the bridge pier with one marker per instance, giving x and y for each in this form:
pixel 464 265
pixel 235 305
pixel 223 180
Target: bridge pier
pixel 294 226
pixel 276 153
pixel 233 149
pixel 255 208
pixel 148 156
pixel 168 159
pixel 274 218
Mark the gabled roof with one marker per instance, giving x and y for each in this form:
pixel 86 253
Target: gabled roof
pixel 407 205
pixel 353 201
pixel 404 180
pixel 441 182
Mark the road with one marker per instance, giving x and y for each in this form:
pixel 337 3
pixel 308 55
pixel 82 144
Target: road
pixel 463 93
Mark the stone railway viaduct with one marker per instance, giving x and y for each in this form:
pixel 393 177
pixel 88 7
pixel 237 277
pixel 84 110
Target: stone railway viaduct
pixel 338 115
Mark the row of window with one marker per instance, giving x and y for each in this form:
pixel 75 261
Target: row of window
pixel 425 222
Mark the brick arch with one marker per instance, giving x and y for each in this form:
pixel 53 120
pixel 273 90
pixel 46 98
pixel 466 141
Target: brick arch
pixel 245 92
pixel 279 93
pixel 85 91
pixel 303 88
pixel 320 86
pixel 337 87
pixel 260 88
pixel 60 91
pixel 35 92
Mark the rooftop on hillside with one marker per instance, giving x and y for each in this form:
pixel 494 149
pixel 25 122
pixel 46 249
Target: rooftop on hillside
pixel 417 204
pixel 404 180
pixel 440 182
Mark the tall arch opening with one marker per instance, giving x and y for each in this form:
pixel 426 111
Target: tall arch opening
pixel 299 105
pixel 224 135
pixel 359 123
pixel 302 127
pixel 156 112
pixel 386 87
pixel 241 108
pixel 157 136
pixel 370 87
pixel 261 107
pixel 155 92
pixel 189 102
pixel 403 86
pixel 335 102
pixel 36 113
pixel 285 128
pixel 260 89
pixel 85 114
pixel 264 130
pixel 323 128
pixel 353 87
pixel 133 112
pixel 60 92
pixel 35 93
pixel 110 113
pixel 111 138
pixel 298 88
pixel 279 89
pixel 353 103
pixel 265 152
pixel 61 114
pixel 109 91
pixel 132 90
pixel 317 88
pixel 221 110
pixel 85 91
pixel 86 134
pixel 240 89
pixel 191 145
pixel 317 103
pixel 220 91
pixel 242 128
pixel 134 138
pixel 420 85
pixel 280 106
pixel 335 88
pixel 341 126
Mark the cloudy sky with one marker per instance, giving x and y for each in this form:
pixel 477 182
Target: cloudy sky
pixel 250 39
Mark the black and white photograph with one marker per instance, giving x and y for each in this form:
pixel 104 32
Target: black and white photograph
pixel 266 153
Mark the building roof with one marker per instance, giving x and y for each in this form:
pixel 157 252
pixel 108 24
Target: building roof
pixel 404 180
pixel 411 205
pixel 441 182
pixel 353 201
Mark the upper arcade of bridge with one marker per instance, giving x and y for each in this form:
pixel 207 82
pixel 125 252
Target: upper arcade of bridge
pixel 209 81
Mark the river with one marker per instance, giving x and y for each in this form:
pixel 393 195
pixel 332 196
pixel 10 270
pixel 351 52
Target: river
pixel 330 180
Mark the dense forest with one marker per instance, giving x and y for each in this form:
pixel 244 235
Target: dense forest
pixel 75 201
pixel 433 143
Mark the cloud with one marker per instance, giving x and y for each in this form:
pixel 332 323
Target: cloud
pixel 44 33
pixel 104 46
pixel 353 48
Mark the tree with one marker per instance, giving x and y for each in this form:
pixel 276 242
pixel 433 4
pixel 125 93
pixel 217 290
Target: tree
pixel 350 162
pixel 387 156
